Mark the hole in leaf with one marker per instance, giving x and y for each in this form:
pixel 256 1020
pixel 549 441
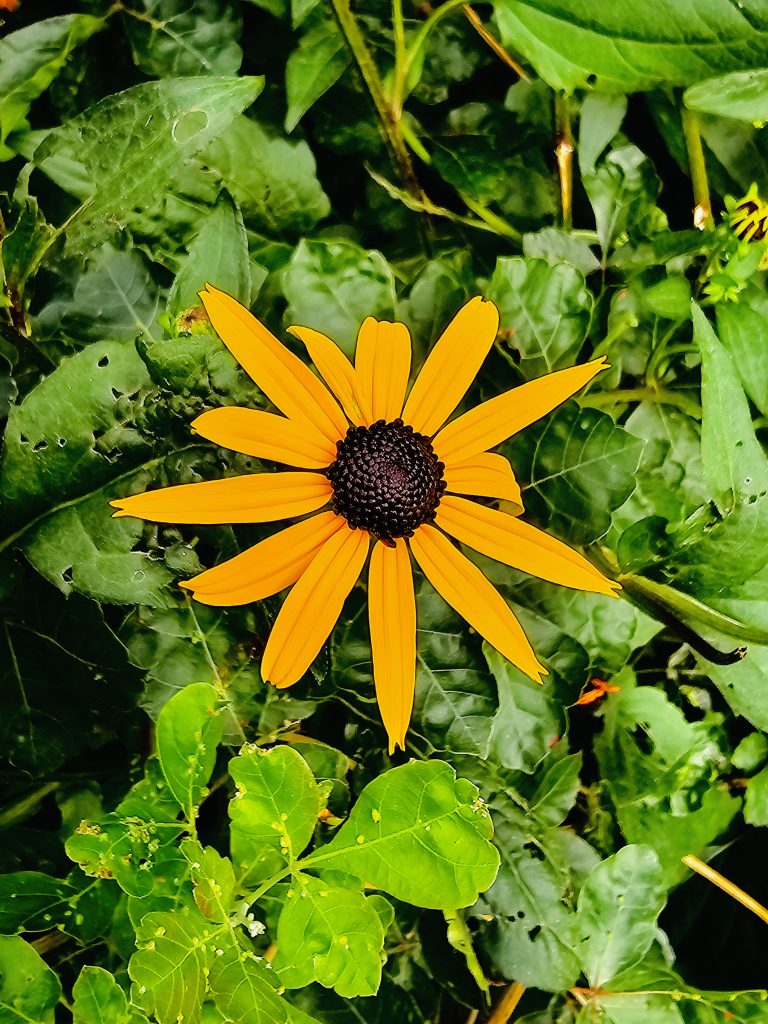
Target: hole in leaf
pixel 40 446
pixel 104 361
pixel 534 932
pixel 61 441
pixel 116 393
pixel 67 575
pixel 535 851
pixel 188 126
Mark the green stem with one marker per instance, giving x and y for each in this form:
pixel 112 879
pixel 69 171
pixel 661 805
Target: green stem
pixel 390 122
pixel 24 807
pixel 702 211
pixel 658 396
pixel 401 59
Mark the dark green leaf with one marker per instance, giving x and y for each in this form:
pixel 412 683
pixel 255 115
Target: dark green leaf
pixel 172 38
pixel 320 60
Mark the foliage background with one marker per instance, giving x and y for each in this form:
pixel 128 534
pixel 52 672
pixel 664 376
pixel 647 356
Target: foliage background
pixel 322 165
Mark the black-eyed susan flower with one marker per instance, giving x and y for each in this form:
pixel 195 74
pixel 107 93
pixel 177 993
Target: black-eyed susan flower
pixel 377 470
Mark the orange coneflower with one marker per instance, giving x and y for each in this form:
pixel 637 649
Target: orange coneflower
pixel 378 464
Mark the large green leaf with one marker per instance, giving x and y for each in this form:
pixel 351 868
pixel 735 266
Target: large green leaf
pixel 98 999
pixel 272 179
pixel 172 38
pixel 30 59
pixel 418 833
pixel 741 327
pixel 153 128
pixel 243 989
pixel 333 286
pixel 544 312
pixel 617 912
pixel 624 48
pixel 189 729
pixel 29 989
pixel 332 935
pixel 576 467
pixel 275 812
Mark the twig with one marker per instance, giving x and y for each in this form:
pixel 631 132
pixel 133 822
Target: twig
pixel 506 1006
pixel 702 210
pixel 657 396
pixel 728 887
pixel 493 43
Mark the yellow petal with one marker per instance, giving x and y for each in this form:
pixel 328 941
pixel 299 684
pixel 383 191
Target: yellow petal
pixel 337 372
pixel 383 363
pixel 281 375
pixel 266 436
pixel 487 475
pixel 464 587
pixel 268 567
pixel 494 421
pixel 260 498
pixel 392 617
pixel 515 543
pixel 452 365
pixel 313 606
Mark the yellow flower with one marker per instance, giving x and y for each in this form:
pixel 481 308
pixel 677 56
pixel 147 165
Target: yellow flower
pixel 377 464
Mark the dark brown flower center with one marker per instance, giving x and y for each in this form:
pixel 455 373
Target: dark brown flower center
pixel 386 479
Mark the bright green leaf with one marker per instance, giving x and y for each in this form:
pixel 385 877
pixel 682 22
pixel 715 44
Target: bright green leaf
pixel 188 731
pixel 98 999
pixel 742 95
pixel 320 60
pixel 29 990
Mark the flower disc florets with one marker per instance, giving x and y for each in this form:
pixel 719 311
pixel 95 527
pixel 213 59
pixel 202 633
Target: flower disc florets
pixel 386 479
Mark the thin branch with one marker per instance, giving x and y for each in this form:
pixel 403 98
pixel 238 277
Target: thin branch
pixel 493 43
pixel 702 210
pixel 564 156
pixel 506 1006
pixel 727 886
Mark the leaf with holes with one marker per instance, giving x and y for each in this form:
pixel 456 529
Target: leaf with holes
pixel 189 729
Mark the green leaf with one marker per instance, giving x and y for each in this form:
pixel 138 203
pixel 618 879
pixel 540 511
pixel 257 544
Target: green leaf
pixel 544 312
pixel 318 63
pixel 243 989
pixel 188 731
pixel 744 685
pixel 172 38
pixel 621 49
pixel 622 191
pixel 756 799
pixel 751 752
pixel 213 880
pixel 272 179
pixel 617 912
pixel 169 968
pixel 334 285
pixel 576 468
pixel 31 901
pixel 735 465
pixel 418 833
pixel 61 438
pixel 741 327
pixel 332 935
pixel 98 999
pixel 599 122
pixel 218 254
pixel 742 95
pixel 275 811
pixel 153 128
pixel 29 990
pixel 30 59
pixel 441 287
pixel 113 298
pixel 526 723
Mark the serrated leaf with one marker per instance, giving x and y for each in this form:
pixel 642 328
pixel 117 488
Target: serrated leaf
pixel 188 731
pixel 420 834
pixel 620 50
pixel 576 468
pixel 617 912
pixel 319 61
pixel 334 285
pixel 275 811
pixel 154 128
pixel 29 990
pixel 331 935
pixel 544 312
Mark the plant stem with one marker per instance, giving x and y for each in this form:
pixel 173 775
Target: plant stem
pixel 727 886
pixel 387 115
pixel 474 19
pixel 401 59
pixel 659 396
pixel 24 807
pixel 564 156
pixel 702 210
pixel 507 1005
